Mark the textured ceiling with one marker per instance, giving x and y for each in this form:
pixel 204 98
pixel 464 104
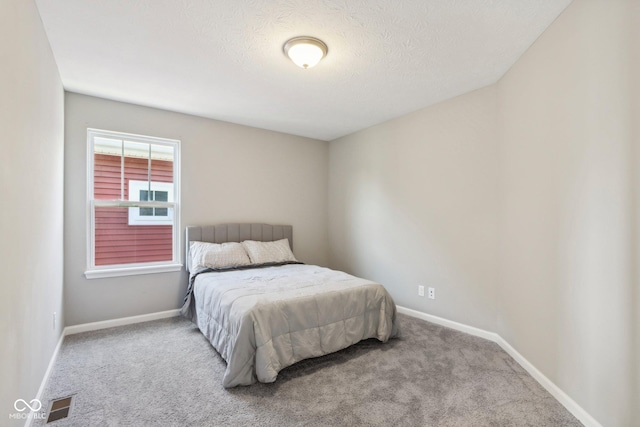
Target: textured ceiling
pixel 224 59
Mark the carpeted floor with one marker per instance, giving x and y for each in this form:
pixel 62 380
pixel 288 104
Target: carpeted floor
pixel 165 373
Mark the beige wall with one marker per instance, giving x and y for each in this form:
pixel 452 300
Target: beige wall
pixel 635 161
pixel 230 173
pixel 414 201
pixel 31 190
pixel 565 290
pixel 518 203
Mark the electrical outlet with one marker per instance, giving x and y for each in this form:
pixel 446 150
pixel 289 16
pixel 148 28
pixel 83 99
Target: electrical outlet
pixel 420 291
pixel 432 293
pixel 54 320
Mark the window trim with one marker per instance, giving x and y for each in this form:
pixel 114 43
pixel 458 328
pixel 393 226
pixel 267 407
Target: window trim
pixel 94 272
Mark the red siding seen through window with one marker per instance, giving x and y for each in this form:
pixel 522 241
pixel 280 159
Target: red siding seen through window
pixel 117 242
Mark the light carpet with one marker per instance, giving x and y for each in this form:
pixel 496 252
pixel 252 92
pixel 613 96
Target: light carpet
pixel 165 373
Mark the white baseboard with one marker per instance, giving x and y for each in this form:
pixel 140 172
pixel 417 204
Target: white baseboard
pixel 45 379
pixel 570 404
pixel 491 336
pixel 94 326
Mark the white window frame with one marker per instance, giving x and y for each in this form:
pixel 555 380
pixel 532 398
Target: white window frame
pixel 134 196
pixel 95 272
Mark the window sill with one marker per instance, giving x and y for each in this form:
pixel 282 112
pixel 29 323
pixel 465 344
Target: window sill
pixel 100 273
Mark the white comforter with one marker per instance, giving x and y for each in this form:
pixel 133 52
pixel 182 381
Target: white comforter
pixel 263 320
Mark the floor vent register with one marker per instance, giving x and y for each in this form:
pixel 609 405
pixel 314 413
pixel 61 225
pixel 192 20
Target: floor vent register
pixel 60 409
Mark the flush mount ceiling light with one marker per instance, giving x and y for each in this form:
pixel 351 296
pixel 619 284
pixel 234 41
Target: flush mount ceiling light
pixel 305 51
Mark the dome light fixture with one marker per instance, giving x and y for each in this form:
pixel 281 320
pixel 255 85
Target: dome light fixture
pixel 305 51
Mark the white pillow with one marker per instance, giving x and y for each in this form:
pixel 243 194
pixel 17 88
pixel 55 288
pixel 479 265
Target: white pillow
pixel 268 252
pixel 217 255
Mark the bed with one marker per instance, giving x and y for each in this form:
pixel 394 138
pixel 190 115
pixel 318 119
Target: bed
pixel 265 316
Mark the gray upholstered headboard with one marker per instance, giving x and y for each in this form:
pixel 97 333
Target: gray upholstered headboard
pixel 236 233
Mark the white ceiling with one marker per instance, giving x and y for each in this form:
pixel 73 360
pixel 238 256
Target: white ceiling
pixel 224 59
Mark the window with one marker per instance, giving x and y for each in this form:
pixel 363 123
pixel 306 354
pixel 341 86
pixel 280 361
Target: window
pixel 150 191
pixel 133 204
